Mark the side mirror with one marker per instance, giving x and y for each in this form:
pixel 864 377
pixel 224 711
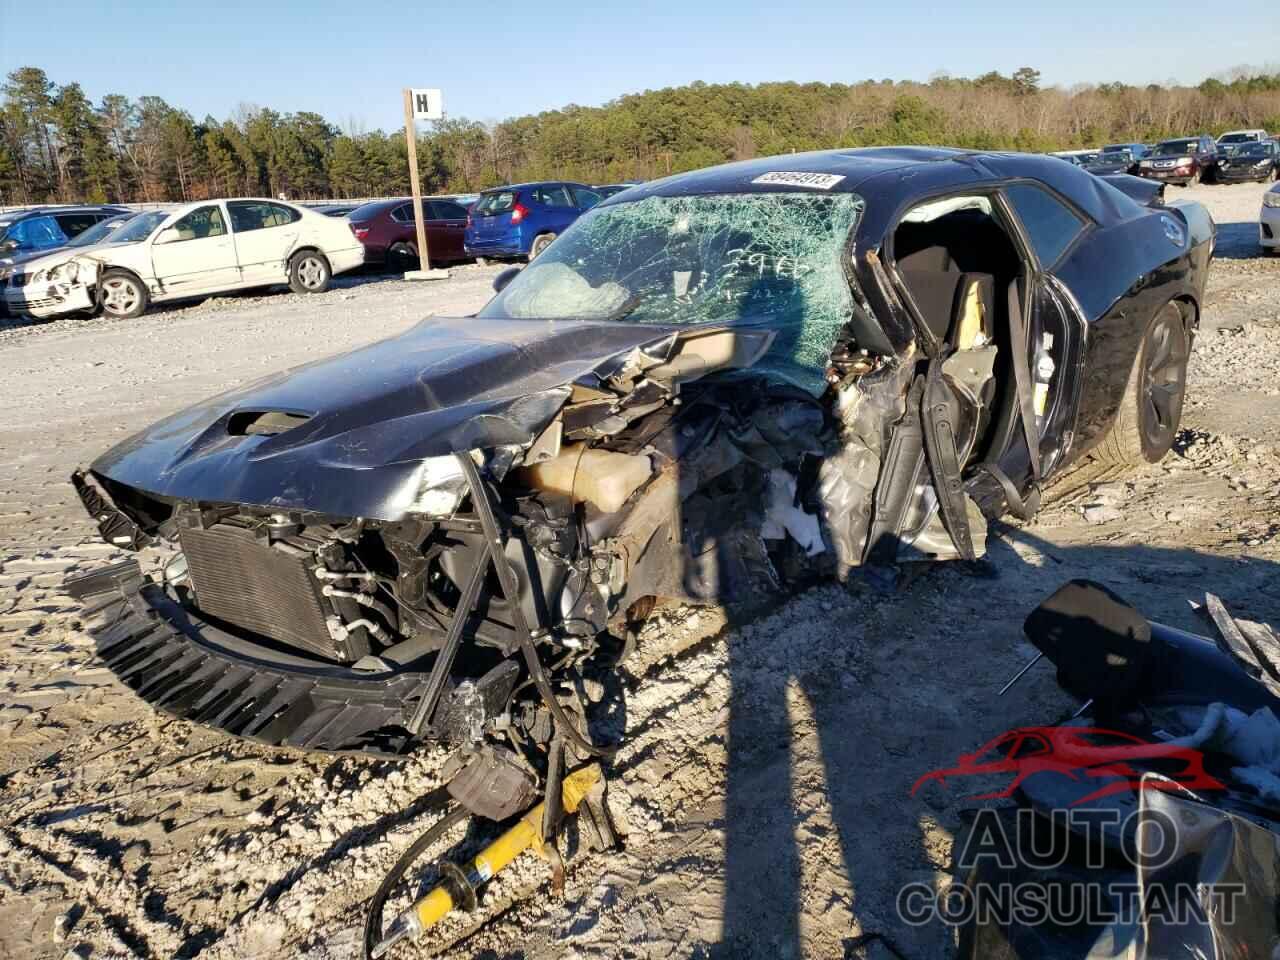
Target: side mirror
pixel 168 235
pixel 8 245
pixel 505 277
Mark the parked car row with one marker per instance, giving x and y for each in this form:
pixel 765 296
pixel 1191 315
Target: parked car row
pixel 1236 156
pixel 515 221
pixel 57 260
pixel 197 249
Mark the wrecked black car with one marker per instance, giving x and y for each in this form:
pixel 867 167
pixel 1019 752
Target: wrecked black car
pixel 709 388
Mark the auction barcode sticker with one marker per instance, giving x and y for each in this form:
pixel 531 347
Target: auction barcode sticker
pixel 818 181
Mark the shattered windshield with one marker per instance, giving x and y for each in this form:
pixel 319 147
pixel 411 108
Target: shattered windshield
pixel 768 259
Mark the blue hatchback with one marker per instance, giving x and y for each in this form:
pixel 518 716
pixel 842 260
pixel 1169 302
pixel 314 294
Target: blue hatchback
pixel 521 220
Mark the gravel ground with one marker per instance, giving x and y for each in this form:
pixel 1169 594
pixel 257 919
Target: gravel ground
pixel 763 791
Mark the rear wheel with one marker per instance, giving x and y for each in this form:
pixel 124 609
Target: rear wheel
pixel 1151 409
pixel 309 272
pixel 122 294
pixel 401 257
pixel 540 243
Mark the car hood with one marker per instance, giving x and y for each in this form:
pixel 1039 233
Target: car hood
pixel 1116 166
pixel 373 416
pixel 21 259
pixel 102 252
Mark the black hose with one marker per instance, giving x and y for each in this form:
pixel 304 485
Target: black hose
pixel 511 591
pixel 373 919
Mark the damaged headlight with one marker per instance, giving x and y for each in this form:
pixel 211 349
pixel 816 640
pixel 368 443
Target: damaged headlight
pixel 62 273
pixel 441 487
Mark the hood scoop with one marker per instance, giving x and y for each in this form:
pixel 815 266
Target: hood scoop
pixel 264 423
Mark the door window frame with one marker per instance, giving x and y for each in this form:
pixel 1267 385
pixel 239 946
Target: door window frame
pixel 222 212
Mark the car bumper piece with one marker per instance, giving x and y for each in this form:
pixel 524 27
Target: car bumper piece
pixel 48 300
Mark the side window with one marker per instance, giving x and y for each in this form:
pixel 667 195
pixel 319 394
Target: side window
pixel 38 233
pixel 249 215
pixel 403 213
pixel 448 210
pixel 201 223
pixel 74 224
pixel 552 197
pixel 280 215
pixel 586 198
pixel 1050 224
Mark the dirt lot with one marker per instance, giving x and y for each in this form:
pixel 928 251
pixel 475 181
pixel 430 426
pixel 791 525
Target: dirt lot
pixel 764 788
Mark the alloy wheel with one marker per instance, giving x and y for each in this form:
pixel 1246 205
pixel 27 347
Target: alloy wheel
pixel 120 295
pixel 1164 380
pixel 311 273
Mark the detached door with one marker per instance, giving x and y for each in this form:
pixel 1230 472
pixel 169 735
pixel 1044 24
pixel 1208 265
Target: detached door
pixel 265 234
pixel 196 254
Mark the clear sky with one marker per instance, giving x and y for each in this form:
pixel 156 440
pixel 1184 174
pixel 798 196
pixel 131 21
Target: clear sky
pixel 349 60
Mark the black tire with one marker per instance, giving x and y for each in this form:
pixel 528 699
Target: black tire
pixel 1151 408
pixel 122 295
pixel 401 257
pixel 309 272
pixel 540 243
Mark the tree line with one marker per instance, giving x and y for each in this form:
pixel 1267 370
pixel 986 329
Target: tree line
pixel 56 145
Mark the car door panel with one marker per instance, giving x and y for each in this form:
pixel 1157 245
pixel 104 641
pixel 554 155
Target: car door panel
pixel 265 235
pixel 202 259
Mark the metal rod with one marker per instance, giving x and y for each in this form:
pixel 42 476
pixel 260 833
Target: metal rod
pixel 1083 707
pixel 510 589
pixel 1018 676
pixel 449 649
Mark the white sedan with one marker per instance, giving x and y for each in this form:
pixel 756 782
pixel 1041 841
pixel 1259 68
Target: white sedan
pixel 195 250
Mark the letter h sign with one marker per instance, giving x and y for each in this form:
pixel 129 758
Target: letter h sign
pixel 428 104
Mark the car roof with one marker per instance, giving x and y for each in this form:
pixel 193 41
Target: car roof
pixel 888 178
pixel 51 209
pixel 535 183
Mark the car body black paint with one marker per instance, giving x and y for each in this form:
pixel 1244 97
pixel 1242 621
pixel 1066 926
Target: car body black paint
pixel 365 422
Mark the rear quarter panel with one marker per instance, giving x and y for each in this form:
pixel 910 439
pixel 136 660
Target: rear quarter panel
pixel 1121 276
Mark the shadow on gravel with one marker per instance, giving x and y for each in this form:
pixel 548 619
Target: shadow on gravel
pixel 1238 241
pixel 935 653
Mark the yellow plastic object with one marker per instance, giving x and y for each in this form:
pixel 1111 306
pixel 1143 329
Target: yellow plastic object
pixel 600 477
pixel 525 835
pixel 973 320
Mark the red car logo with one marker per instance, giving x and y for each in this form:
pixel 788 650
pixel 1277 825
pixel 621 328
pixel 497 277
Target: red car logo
pixel 1077 752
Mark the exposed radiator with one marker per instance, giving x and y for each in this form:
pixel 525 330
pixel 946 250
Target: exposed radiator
pixel 241 579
